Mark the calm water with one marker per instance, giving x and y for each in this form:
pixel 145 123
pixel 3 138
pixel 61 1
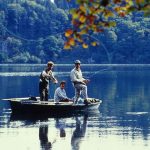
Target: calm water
pixel 122 121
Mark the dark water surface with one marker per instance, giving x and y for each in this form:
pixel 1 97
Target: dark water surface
pixel 122 121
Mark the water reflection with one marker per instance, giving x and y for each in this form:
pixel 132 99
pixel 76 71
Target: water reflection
pixel 79 133
pixel 60 124
pixel 138 123
pixel 5 114
pixel 43 137
pixel 124 118
pixel 76 137
pixel 123 92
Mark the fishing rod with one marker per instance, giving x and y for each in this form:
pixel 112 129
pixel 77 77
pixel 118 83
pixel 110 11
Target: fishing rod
pixel 99 72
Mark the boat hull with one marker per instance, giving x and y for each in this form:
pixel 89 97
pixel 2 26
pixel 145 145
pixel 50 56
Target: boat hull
pixel 25 106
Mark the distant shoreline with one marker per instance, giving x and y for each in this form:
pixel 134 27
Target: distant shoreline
pixel 73 64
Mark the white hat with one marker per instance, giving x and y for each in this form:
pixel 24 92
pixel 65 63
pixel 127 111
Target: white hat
pixel 77 62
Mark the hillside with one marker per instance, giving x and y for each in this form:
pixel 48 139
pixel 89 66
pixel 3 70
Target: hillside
pixel 32 31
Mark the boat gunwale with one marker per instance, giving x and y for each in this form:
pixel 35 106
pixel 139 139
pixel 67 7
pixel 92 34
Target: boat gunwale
pixel 50 102
pixel 43 103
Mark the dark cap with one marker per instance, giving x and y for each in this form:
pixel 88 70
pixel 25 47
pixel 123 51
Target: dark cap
pixel 77 62
pixel 63 82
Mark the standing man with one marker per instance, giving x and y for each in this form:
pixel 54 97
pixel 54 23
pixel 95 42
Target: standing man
pixel 45 77
pixel 60 93
pixel 79 82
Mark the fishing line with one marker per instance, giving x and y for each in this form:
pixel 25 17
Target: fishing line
pixel 110 69
pixel 98 72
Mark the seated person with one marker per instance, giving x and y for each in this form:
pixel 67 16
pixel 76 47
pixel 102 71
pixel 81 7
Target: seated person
pixel 60 93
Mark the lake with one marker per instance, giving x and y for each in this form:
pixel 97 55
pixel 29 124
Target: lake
pixel 121 122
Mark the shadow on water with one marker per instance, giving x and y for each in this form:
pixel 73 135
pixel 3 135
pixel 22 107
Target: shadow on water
pixel 34 117
pixel 43 137
pixel 79 130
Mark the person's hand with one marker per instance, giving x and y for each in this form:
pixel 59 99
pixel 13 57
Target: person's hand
pixel 55 81
pixel 86 81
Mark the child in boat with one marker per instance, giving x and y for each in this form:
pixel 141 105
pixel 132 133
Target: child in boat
pixel 60 93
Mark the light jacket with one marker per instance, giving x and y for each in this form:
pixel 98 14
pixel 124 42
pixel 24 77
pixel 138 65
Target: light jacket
pixel 76 76
pixel 60 94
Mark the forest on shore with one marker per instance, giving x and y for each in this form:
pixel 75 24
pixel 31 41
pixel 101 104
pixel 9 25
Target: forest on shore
pixel 32 31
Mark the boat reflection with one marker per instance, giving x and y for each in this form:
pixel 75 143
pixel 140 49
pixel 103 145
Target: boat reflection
pixel 34 117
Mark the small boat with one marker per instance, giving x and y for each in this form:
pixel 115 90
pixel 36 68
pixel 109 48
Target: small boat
pixel 33 105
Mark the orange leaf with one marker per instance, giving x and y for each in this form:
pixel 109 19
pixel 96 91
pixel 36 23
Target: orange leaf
pixel 82 18
pixel 82 8
pixel 92 9
pixel 67 46
pixel 71 41
pixel 122 14
pixel 100 30
pixel 68 32
pixel 117 9
pixel 117 1
pixel 139 1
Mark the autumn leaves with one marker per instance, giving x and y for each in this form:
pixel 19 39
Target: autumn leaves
pixel 94 16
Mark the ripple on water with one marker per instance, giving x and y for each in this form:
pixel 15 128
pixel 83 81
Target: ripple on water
pixel 137 113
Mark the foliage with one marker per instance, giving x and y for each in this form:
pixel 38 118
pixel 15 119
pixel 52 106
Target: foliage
pixel 31 31
pixel 94 16
pixel 31 25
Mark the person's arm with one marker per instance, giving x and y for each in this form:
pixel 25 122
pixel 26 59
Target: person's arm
pixel 83 79
pixel 52 77
pixel 46 75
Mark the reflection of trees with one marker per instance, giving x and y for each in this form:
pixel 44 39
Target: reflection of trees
pixel 135 125
pixel 43 136
pixel 106 89
pixel 122 91
pixel 79 133
pixel 129 92
pixel 133 91
pixel 105 85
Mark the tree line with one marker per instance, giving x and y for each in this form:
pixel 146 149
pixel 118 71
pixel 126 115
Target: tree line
pixel 33 31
